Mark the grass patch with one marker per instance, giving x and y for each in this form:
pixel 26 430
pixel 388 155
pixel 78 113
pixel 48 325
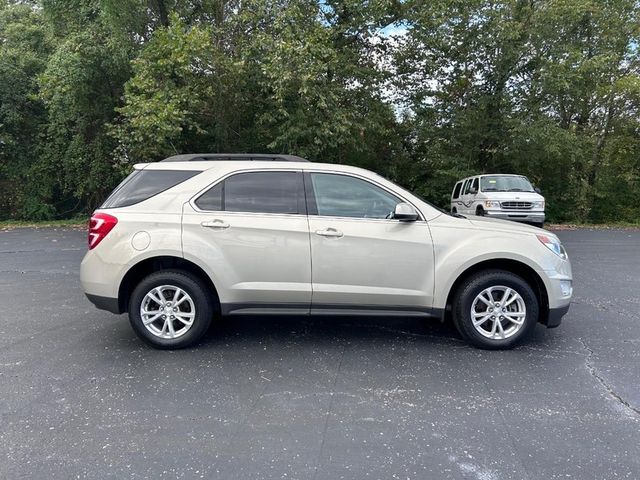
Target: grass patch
pixel 593 226
pixel 75 223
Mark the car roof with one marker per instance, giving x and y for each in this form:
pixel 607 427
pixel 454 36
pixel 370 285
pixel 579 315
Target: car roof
pixel 244 157
pixel 491 175
pixel 500 175
pixel 229 165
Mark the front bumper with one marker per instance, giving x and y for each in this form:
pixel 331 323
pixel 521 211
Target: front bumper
pixel 517 216
pixel 555 316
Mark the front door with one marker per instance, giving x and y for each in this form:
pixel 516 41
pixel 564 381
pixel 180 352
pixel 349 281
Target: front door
pixel 361 259
pixel 251 231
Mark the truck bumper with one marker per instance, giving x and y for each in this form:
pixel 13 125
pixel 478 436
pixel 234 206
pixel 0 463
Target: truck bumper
pixel 528 217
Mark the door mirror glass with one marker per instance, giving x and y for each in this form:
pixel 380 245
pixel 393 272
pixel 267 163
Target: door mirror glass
pixel 537 190
pixel 405 213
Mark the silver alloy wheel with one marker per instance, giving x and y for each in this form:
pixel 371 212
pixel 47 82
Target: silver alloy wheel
pixel 167 311
pixel 498 312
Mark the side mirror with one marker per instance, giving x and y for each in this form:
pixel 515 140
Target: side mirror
pixel 473 191
pixel 405 213
pixel 537 190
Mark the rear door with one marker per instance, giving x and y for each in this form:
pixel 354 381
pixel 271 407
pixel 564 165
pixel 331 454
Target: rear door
pixel 463 205
pixel 251 231
pixel 361 259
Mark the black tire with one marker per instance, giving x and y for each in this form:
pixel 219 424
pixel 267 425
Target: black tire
pixel 539 225
pixel 203 301
pixel 480 211
pixel 472 287
pixel 454 210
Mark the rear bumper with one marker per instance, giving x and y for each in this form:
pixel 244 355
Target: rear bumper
pixel 105 303
pixel 523 216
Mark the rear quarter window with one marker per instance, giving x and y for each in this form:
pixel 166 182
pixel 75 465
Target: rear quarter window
pixel 144 184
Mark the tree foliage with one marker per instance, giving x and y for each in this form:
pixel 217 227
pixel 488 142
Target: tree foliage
pixel 423 92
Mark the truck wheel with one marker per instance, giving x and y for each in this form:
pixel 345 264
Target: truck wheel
pixel 495 309
pixel 170 309
pixel 480 211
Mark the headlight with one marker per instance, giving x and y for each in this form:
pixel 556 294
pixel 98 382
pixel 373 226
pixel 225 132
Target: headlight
pixel 491 204
pixel 538 205
pixel 554 245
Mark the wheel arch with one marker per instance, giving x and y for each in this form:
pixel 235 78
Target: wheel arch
pixel 154 264
pixel 510 265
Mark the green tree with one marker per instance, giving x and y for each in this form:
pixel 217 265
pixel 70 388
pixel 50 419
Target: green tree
pixel 271 76
pixel 532 87
pixel 25 43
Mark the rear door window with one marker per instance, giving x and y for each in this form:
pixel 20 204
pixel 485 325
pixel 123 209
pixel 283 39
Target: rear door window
pixel 144 184
pixel 256 192
pixel 456 190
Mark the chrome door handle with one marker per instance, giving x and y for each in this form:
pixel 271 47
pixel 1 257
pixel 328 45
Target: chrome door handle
pixel 329 232
pixel 217 223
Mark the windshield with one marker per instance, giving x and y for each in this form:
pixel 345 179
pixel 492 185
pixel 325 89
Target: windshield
pixel 496 183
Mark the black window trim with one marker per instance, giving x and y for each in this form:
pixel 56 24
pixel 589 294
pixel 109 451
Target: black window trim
pixel 312 208
pixel 302 207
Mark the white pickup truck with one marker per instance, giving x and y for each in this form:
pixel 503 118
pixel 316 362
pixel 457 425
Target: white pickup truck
pixel 510 197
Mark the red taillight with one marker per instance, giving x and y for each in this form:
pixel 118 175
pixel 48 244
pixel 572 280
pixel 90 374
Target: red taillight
pixel 100 225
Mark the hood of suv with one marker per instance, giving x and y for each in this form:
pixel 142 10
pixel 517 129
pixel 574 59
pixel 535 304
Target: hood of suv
pixel 502 225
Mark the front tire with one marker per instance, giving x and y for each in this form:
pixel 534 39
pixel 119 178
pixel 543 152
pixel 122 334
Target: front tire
pixel 170 309
pixel 480 211
pixel 495 309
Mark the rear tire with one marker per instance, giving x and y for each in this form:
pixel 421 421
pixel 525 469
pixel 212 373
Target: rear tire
pixel 176 326
pixel 521 305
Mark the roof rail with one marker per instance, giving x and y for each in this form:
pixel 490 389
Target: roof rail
pixel 260 157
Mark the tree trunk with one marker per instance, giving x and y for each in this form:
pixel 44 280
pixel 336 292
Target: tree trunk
pixel 162 12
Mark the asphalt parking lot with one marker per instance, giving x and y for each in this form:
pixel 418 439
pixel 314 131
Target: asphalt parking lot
pixel 300 398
